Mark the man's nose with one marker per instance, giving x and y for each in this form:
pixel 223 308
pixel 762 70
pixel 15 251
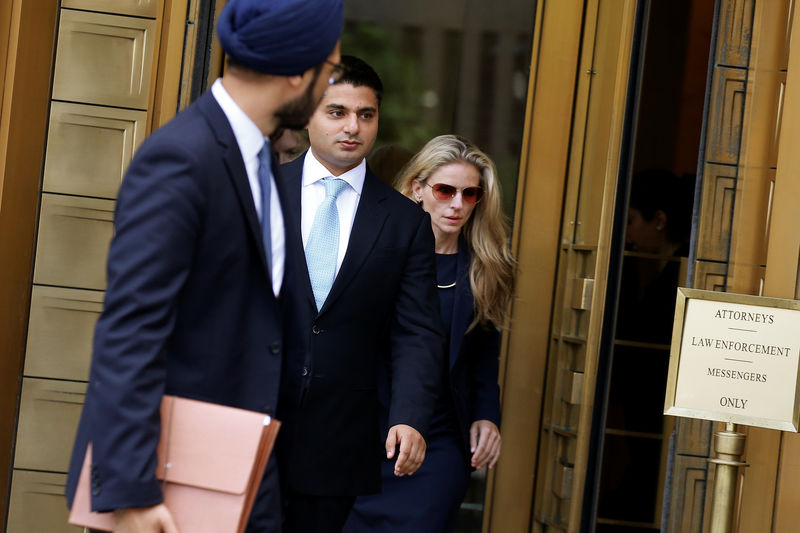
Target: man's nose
pixel 351 126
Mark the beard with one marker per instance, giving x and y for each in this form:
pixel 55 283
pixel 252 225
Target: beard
pixel 296 113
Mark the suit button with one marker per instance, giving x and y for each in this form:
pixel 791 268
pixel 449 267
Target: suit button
pixel 275 348
pixel 315 329
pixel 305 371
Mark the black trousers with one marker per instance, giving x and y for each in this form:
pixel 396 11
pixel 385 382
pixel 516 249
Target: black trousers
pixel 305 513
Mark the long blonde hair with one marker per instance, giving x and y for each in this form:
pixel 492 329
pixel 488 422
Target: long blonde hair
pixel 491 273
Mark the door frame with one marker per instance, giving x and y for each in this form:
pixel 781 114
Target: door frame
pixel 27 64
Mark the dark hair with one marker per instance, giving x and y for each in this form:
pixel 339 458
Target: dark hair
pixel 655 190
pixel 359 74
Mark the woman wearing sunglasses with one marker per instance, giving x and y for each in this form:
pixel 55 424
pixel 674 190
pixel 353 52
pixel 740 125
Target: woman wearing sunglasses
pixel 457 185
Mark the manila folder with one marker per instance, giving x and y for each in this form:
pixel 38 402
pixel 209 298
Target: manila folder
pixel 211 459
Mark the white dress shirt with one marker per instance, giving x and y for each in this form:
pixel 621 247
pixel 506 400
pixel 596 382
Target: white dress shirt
pixel 313 193
pixel 250 141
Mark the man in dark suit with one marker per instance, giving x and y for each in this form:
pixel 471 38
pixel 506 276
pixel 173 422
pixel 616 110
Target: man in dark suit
pixel 368 304
pixel 197 264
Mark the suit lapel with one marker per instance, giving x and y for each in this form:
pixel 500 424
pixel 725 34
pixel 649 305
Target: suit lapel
pixel 237 174
pixel 291 228
pixel 367 225
pixel 236 170
pixel 463 304
pixel 292 186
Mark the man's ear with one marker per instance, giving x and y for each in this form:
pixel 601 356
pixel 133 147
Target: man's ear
pixel 306 77
pixel 296 80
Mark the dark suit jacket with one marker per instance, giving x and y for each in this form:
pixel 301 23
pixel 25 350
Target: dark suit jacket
pixel 189 309
pixel 382 304
pixel 474 358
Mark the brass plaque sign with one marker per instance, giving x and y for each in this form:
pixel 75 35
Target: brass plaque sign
pixel 734 358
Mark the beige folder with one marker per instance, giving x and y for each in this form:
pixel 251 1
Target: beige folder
pixel 211 459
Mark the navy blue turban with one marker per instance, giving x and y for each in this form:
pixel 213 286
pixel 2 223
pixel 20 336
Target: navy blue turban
pixel 282 37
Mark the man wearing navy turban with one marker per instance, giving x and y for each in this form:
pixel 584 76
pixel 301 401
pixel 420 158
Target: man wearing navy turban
pixel 199 281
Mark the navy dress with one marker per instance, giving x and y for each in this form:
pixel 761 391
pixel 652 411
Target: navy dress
pixel 428 500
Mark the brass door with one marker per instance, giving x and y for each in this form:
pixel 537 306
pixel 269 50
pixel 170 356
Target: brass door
pixel 580 78
pixel 605 29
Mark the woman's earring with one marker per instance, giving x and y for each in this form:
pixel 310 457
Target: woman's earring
pixel 419 200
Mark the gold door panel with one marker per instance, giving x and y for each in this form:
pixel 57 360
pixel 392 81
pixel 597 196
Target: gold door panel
pixel 49 413
pixel 714 233
pixel 104 59
pixel 60 332
pixel 736 20
pixel 710 276
pixel 38 505
pixel 586 233
pixel 726 111
pixel 89 148
pixel 140 8
pixel 74 235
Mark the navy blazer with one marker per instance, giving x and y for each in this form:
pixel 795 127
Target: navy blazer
pixel 382 306
pixel 473 357
pixel 189 308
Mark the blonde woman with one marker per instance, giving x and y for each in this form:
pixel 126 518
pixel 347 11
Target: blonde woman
pixel 456 184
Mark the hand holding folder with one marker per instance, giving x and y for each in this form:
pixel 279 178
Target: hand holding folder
pixel 211 459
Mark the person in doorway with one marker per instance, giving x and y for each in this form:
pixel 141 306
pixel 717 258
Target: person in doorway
pixel 369 296
pixel 659 224
pixel 198 260
pixel 456 183
pixel 387 161
pixel 289 144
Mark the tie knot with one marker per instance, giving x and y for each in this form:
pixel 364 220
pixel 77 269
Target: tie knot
pixel 333 186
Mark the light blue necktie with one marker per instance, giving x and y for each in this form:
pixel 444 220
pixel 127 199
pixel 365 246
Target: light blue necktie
pixel 322 248
pixel 265 181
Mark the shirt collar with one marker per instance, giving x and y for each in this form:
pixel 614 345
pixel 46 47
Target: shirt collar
pixel 314 171
pixel 248 136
